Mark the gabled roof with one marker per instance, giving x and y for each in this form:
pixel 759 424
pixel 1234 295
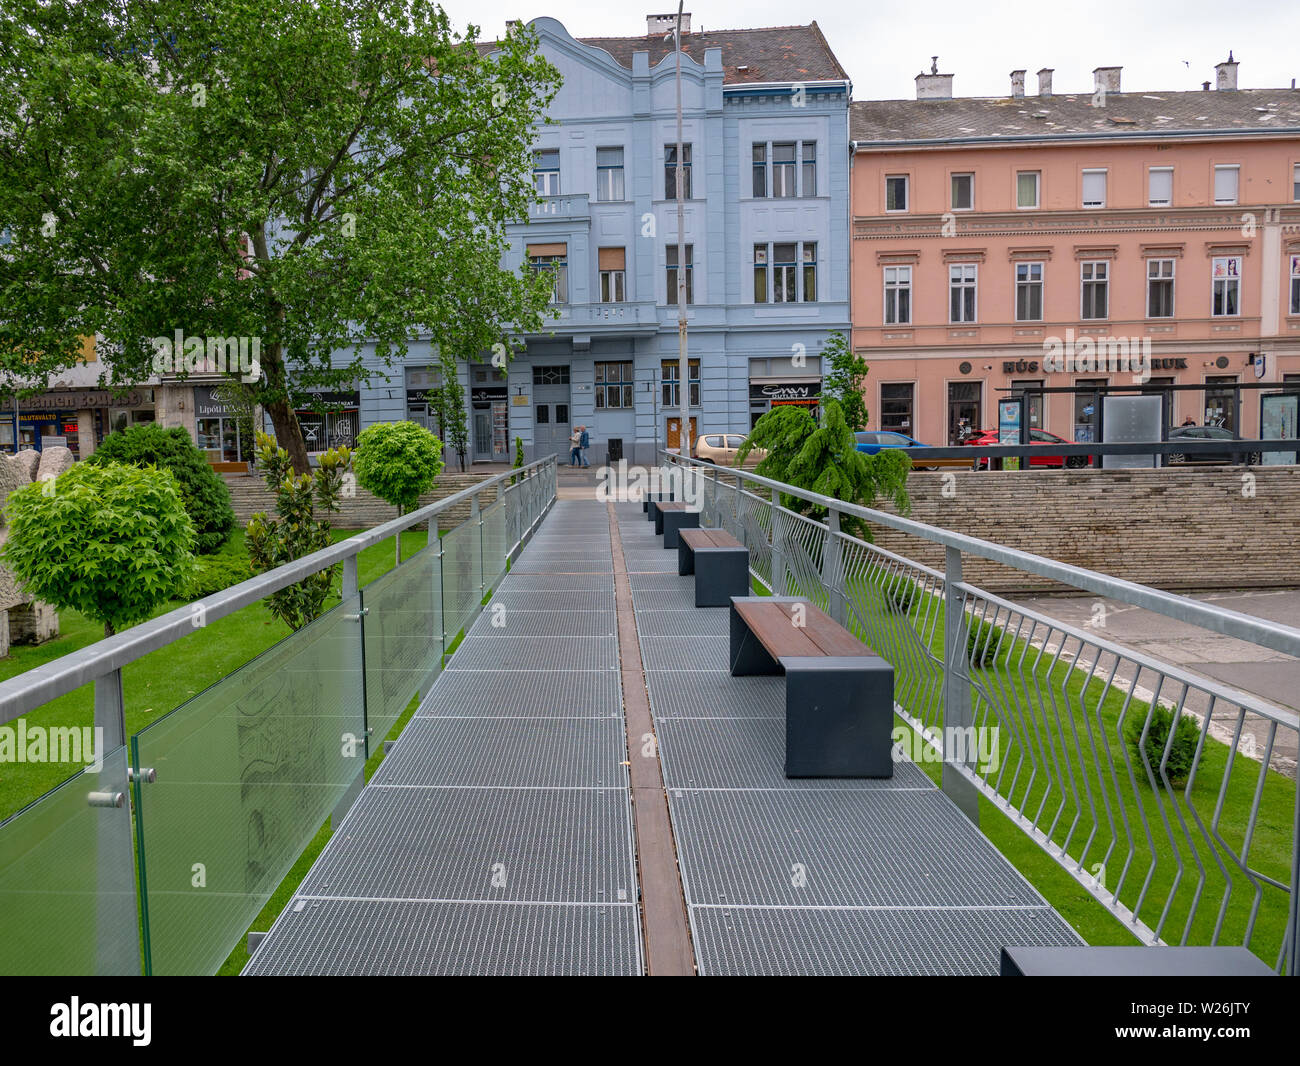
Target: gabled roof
pixel 1072 116
pixel 775 54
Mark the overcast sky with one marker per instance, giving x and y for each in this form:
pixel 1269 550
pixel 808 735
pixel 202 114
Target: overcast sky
pixel 884 46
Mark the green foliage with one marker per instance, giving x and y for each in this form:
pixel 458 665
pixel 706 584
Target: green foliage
pixel 984 642
pixel 204 494
pixel 297 531
pixel 900 593
pixel 451 411
pixel 398 462
pixel 368 201
pixel 519 452
pixel 845 380
pixel 823 458
pixel 110 541
pixel 216 572
pixel 1182 754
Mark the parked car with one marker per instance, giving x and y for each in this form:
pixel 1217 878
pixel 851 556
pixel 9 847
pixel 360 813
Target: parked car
pixel 721 449
pixel 989 438
pixel 1205 433
pixel 871 442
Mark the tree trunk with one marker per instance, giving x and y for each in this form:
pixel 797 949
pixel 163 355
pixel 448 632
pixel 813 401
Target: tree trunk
pixel 288 434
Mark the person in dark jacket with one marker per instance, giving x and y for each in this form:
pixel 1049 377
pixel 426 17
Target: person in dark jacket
pixel 584 442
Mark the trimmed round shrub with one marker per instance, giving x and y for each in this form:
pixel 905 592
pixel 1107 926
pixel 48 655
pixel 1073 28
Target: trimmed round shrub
pixel 1182 755
pixel 397 461
pixel 206 498
pixel 982 639
pixel 900 593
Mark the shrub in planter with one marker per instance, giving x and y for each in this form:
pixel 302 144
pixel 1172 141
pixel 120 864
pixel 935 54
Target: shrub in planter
pixel 1182 755
pixel 982 640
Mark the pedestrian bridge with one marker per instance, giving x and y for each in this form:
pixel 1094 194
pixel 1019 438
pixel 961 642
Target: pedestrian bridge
pixel 585 789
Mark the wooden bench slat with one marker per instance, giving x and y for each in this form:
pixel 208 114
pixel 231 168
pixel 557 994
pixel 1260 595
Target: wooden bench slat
pixel 678 505
pixel 710 538
pixel 773 625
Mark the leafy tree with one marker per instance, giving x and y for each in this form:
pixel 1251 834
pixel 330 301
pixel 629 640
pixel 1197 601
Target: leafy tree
pixel 451 412
pixel 317 177
pixel 844 382
pixel 297 531
pixel 204 494
pixel 519 452
pixel 398 462
pixel 822 458
pixel 112 541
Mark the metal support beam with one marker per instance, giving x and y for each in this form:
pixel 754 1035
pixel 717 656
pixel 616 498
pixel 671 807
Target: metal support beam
pixel 778 547
pixel 956 692
pixel 115 872
pixel 832 575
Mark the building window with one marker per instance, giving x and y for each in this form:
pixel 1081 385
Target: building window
pixel 1160 288
pixel 784 170
pixel 670 172
pixel 1226 181
pixel 613 274
pixel 961 292
pixel 1086 408
pixel 1227 285
pixel 808 168
pixel 670 257
pixel 1295 284
pixel 1094 188
pixel 551 375
pixel 609 174
pixel 1029 292
pixel 1221 403
pixel 1027 191
pixel 1295 183
pixel 963 192
pixel 1096 284
pixel 964 410
pixel 790 284
pixel 546 171
pixel 614 385
pixel 229 439
pixel 896 192
pixel 1033 392
pixel 898 295
pixel 1160 186
pixel 896 407
pixel 672 394
pixel 760 170
pixel 554 259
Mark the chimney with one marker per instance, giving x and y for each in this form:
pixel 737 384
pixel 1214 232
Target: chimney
pixel 1106 78
pixel 1205 86
pixel 1226 74
pixel 1017 83
pixel 658 25
pixel 1045 82
pixel 934 86
pixel 511 24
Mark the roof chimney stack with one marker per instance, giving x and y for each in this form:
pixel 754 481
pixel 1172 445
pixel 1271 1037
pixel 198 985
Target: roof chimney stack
pixel 1045 82
pixel 1017 83
pixel 1106 79
pixel 934 86
pixel 658 25
pixel 1226 73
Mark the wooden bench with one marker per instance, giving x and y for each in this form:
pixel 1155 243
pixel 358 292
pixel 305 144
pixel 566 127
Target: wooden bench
pixel 671 518
pixel 839 695
pixel 724 570
pixel 650 499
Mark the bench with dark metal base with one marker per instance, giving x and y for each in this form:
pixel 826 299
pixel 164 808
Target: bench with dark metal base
pixel 723 569
pixel 650 499
pixel 1128 961
pixel 839 695
pixel 671 518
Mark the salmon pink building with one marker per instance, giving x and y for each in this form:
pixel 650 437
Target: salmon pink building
pixel 1149 236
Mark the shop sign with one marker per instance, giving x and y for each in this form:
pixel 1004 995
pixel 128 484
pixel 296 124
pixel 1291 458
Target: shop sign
pixel 799 391
pixel 84 399
pixel 1030 366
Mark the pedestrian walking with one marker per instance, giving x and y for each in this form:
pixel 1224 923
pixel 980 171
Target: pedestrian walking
pixel 575 440
pixel 584 442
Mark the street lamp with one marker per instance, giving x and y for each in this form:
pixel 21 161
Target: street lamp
pixel 683 367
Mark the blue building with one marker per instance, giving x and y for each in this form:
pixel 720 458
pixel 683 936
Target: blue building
pixel 767 244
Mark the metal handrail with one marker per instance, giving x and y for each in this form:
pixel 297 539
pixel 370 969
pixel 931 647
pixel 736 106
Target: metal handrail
pixel 1261 631
pixel 38 686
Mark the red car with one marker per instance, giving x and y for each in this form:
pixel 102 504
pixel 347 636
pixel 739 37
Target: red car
pixel 989 438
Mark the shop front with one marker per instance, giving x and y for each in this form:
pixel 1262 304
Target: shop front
pixel 490 411
pixel 222 432
pixel 78 419
pixel 330 420
pixel 778 382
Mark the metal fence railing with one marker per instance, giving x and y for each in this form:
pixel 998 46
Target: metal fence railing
pixel 1169 797
pixel 159 859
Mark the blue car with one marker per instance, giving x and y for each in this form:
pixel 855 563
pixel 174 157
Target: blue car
pixel 871 442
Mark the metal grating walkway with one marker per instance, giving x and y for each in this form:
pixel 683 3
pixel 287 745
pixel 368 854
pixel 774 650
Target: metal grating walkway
pixel 496 837
pixel 805 876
